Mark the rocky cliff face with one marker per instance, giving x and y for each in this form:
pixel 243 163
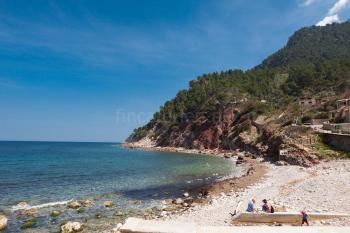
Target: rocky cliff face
pixel 231 128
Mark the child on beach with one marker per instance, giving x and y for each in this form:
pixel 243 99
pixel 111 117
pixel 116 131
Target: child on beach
pixel 305 218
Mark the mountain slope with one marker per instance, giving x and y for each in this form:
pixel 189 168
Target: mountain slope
pixel 253 109
pixel 313 45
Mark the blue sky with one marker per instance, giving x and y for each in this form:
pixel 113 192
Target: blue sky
pixel 94 70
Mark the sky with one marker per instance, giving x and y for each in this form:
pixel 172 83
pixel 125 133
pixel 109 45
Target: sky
pixel 88 70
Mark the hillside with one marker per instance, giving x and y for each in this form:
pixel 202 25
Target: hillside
pixel 253 110
pixel 312 45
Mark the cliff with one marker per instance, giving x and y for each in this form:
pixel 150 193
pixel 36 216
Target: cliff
pixel 255 110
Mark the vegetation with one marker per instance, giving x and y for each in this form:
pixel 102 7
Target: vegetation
pixel 328 152
pixel 315 61
pixel 312 45
pixel 29 223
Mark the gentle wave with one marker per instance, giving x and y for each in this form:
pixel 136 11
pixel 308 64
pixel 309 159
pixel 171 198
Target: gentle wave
pixel 49 204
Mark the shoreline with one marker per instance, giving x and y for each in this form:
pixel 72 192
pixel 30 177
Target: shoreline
pixel 287 187
pixel 148 146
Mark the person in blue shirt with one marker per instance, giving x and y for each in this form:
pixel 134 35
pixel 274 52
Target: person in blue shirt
pixel 251 204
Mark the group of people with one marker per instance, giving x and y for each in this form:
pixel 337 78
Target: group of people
pixel 268 208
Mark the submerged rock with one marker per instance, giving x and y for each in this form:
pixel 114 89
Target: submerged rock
pixel 74 205
pixel 71 227
pixel 21 205
pixel 29 212
pixel 29 223
pixel 108 204
pixel 88 203
pixel 55 213
pixel 3 222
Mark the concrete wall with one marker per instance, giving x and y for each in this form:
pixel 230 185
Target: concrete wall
pixel 340 142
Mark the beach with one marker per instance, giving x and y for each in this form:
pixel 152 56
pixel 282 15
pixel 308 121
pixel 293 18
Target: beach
pixel 322 188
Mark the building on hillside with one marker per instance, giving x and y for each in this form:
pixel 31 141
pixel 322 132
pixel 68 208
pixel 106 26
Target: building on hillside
pixel 307 101
pixel 323 100
pixel 342 113
pixel 343 103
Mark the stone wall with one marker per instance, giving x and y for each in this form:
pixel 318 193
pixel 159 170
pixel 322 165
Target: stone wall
pixel 340 142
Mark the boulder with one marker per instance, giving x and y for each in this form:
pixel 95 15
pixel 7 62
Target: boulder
pixel 178 201
pixel 88 203
pixel 281 163
pixel 21 205
pixel 108 204
pixel 74 205
pixel 29 212
pixel 55 213
pixel 119 213
pixel 3 222
pixel 71 227
pixel 186 194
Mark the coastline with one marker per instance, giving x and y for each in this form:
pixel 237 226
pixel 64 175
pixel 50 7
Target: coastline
pixel 148 145
pixel 322 188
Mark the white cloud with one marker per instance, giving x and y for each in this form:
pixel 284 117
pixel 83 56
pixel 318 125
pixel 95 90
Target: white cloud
pixel 328 20
pixel 338 6
pixel 333 16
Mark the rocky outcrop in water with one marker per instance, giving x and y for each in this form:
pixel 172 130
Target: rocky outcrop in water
pixel 71 227
pixel 3 222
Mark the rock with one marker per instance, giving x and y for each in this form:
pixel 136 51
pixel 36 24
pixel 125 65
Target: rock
pixel 80 210
pixel 88 203
pixel 119 213
pixel 184 204
pixel 28 212
pixel 281 163
pixel 74 205
pixel 108 204
pixel 21 205
pixel 137 202
pixel 178 201
pixel 186 194
pixel 3 222
pixel 29 223
pixel 55 213
pixel 71 227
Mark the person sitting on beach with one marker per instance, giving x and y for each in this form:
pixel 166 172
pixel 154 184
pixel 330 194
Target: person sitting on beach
pixel 305 218
pixel 251 204
pixel 267 208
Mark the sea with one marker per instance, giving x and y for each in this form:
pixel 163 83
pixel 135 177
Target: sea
pixel 47 175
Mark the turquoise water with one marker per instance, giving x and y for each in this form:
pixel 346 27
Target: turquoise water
pixel 48 172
